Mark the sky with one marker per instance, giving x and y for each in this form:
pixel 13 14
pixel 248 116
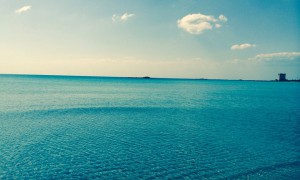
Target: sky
pixel 236 39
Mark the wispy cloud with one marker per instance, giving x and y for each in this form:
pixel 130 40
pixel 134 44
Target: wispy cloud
pixel 277 56
pixel 268 57
pixel 122 18
pixel 218 25
pixel 242 46
pixel 22 9
pixel 223 18
pixel 198 23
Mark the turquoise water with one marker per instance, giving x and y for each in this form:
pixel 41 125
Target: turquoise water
pixel 56 127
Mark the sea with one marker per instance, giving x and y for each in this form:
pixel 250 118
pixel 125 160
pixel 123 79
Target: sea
pixel 72 127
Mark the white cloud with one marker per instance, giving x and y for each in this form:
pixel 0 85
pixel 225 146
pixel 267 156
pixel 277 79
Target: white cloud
pixel 218 25
pixel 198 23
pixel 122 18
pixel 242 46
pixel 23 9
pixel 278 56
pixel 126 16
pixel 223 18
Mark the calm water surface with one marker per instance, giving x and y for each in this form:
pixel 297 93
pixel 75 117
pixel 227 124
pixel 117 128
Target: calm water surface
pixel 56 127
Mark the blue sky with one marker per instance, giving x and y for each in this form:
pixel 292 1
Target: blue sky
pixel 236 39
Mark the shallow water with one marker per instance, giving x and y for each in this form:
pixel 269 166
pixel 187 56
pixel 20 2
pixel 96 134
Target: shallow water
pixel 55 127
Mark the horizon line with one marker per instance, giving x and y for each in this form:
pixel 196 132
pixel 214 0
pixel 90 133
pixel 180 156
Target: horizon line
pixel 134 77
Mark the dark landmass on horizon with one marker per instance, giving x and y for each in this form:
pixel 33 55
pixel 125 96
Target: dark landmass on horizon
pixel 147 77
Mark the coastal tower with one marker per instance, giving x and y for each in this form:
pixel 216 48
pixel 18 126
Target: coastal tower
pixel 282 76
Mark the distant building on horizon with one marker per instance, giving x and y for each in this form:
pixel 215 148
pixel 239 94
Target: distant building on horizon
pixel 282 77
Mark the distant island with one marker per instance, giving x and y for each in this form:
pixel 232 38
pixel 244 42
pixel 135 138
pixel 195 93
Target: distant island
pixel 281 79
pixel 145 77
